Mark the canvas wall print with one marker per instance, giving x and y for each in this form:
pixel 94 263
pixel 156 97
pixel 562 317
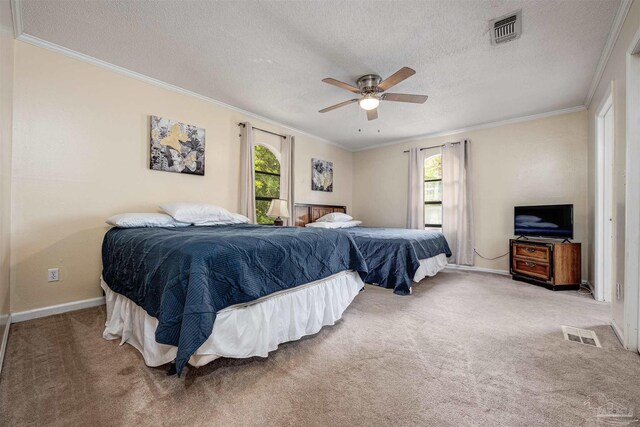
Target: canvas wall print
pixel 322 175
pixel 176 147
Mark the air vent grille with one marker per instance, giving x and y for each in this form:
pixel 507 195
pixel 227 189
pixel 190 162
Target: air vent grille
pixel 582 336
pixel 506 28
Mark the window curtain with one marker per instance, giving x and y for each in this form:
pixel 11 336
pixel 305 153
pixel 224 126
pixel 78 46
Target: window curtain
pixel 286 175
pixel 457 207
pixel 415 199
pixel 248 175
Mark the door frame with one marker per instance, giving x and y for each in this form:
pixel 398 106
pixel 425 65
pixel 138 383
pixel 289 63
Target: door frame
pixel 632 198
pixel 604 201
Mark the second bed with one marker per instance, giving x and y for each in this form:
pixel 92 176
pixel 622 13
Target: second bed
pixel 395 257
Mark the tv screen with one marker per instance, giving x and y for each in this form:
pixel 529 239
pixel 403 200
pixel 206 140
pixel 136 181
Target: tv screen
pixel 544 221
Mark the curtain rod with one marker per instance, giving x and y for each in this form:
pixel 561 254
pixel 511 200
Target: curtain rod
pixel 264 130
pixel 436 146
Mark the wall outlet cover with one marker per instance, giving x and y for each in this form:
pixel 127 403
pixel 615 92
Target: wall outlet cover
pixel 53 274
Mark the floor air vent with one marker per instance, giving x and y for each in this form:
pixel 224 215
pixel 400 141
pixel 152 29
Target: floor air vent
pixel 506 28
pixel 582 336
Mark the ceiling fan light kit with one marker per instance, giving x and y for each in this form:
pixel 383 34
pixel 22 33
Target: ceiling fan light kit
pixel 371 88
pixel 369 102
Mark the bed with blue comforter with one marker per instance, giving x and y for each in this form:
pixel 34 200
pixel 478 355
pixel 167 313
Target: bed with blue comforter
pixel 184 276
pixel 393 254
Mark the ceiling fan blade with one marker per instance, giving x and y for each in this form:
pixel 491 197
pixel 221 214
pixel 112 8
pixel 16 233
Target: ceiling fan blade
pixel 400 75
pixel 341 85
pixel 372 114
pixel 342 104
pixel 404 97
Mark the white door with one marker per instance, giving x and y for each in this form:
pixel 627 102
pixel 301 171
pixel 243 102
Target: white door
pixel 604 287
pixel 631 296
pixel 609 277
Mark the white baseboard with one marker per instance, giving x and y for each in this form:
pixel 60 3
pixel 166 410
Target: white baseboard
pixel 493 271
pixel 477 269
pixel 22 316
pixel 590 286
pixel 5 339
pixel 618 332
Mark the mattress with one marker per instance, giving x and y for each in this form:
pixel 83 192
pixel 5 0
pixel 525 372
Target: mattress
pixel 242 330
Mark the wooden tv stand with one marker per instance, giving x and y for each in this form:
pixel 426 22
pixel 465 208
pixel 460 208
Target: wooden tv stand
pixel 556 266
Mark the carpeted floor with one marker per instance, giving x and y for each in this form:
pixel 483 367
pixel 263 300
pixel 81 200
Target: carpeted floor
pixel 465 349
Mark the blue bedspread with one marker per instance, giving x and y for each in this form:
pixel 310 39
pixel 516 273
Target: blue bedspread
pixel 393 254
pixel 184 276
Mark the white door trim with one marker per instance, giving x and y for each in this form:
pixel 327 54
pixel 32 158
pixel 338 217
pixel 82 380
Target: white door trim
pixel 604 201
pixel 632 199
pixel 6 320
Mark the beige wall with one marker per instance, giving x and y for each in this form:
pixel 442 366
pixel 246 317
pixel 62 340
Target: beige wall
pixel 6 105
pixel 81 154
pixel 535 162
pixel 615 72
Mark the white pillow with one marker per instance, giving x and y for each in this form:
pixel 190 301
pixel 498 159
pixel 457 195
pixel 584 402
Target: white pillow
pixel 344 224
pixel 197 213
pixel 335 217
pixel 237 219
pixel 131 220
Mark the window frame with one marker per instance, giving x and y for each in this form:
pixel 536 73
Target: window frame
pixel 433 202
pixel 276 153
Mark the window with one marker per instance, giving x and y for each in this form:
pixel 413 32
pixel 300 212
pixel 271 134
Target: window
pixel 267 170
pixel 433 191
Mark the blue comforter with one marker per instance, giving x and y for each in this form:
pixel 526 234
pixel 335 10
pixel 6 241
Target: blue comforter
pixel 184 276
pixel 393 254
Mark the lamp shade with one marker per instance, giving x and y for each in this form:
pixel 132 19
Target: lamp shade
pixel 278 208
pixel 369 102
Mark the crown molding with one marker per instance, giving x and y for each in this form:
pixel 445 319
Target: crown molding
pixel 616 27
pixel 486 125
pixel 623 9
pixel 18 31
pixel 150 80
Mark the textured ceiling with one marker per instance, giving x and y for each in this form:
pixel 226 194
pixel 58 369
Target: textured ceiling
pixel 269 57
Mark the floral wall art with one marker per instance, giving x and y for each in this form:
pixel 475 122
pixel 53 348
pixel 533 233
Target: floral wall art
pixel 322 175
pixel 176 147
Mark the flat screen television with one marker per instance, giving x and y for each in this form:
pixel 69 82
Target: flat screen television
pixel 555 221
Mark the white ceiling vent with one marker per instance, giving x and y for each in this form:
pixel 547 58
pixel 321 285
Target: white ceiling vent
pixel 506 28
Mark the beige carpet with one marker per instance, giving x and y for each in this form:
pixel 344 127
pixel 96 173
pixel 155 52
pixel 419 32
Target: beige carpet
pixel 465 349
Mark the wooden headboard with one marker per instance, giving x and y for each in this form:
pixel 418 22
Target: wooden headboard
pixel 304 214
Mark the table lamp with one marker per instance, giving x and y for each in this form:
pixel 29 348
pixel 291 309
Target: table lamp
pixel 278 210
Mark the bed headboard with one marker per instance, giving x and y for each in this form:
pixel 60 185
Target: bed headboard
pixel 303 214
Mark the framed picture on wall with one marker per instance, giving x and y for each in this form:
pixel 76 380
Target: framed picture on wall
pixel 176 147
pixel 321 175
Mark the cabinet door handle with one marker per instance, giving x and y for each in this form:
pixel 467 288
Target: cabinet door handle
pixel 531 264
pixel 531 250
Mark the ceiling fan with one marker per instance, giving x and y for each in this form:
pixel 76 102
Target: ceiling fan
pixel 371 87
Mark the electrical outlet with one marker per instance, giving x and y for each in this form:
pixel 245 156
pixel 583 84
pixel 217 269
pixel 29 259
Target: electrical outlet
pixel 53 275
pixel 618 291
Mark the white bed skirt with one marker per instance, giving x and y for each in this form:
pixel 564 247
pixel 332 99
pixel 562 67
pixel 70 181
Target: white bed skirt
pixel 430 267
pixel 243 330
